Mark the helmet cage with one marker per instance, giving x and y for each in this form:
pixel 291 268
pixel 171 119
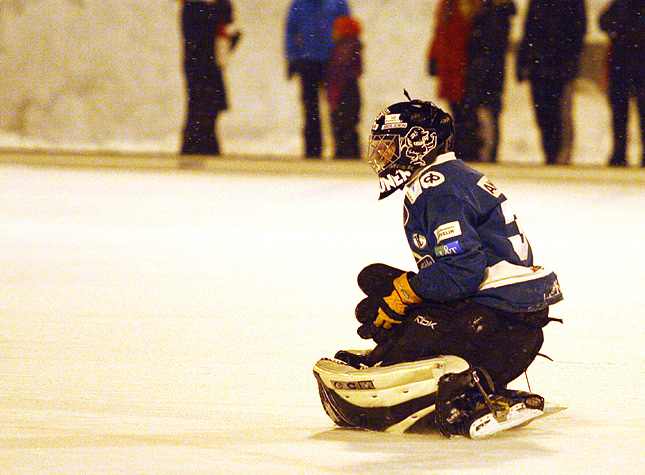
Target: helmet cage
pixel 404 152
pixel 383 152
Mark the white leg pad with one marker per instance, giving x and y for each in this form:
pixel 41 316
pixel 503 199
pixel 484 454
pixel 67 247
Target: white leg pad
pixel 363 397
pixel 387 385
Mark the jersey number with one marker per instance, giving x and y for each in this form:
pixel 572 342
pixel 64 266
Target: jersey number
pixel 518 241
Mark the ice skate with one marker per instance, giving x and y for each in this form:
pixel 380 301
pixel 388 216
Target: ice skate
pixel 468 405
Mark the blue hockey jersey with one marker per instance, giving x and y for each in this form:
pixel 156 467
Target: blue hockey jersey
pixel 468 243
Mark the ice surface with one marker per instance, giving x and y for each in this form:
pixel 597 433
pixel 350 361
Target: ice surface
pixel 167 322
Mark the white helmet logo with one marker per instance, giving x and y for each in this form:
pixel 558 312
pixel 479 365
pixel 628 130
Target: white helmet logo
pixel 417 143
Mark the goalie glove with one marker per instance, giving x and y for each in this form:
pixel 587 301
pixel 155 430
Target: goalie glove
pixel 393 306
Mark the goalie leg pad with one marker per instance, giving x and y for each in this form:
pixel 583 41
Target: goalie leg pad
pixel 380 398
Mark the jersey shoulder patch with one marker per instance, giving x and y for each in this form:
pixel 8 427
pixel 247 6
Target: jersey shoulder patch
pixel 485 184
pixel 427 179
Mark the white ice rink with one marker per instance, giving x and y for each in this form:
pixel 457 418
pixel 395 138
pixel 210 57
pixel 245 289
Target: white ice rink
pixel 167 322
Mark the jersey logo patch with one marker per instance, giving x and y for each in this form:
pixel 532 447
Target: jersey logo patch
pixel 414 191
pixel 427 180
pixel 419 240
pixel 448 230
pixel 452 248
pixel 432 179
pixel 423 262
pixel 487 185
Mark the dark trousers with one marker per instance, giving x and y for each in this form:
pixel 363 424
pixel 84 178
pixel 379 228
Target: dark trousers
pixel 488 131
pixel 503 344
pixel 312 76
pixel 199 135
pixel 344 121
pixel 205 89
pixel 466 145
pixel 552 116
pixel 623 82
pixel 476 130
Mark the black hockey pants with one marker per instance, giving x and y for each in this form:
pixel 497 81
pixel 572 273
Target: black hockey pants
pixel 504 344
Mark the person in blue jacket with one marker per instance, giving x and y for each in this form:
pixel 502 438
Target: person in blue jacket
pixel 477 293
pixel 308 45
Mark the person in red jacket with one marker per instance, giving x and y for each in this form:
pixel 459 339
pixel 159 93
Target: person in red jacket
pixel 448 60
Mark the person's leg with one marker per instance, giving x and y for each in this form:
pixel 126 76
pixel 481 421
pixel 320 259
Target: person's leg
pixel 345 121
pixel 311 75
pixel 639 93
pixel 465 146
pixel 199 127
pixel 566 122
pixel 488 132
pixel 547 96
pixel 618 94
pixel 484 337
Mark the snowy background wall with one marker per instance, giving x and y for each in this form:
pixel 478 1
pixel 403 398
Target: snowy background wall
pixel 106 75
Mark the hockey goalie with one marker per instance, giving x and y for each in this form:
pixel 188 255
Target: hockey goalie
pixel 452 335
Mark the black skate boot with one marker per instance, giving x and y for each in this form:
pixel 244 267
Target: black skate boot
pixel 355 358
pixel 468 405
pixel 457 401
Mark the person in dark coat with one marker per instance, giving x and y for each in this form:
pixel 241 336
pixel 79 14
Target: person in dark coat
pixel 201 23
pixel 486 53
pixel 624 22
pixel 548 57
pixel 308 45
pixel 343 93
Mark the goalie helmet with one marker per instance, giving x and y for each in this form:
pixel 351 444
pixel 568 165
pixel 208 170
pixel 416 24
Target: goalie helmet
pixel 405 137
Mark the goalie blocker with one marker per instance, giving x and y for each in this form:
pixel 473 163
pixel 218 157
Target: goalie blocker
pixel 441 393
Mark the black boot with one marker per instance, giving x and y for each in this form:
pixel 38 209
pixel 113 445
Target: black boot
pixel 455 398
pixel 355 358
pixel 617 160
pixel 468 405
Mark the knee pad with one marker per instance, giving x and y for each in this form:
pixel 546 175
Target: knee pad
pixel 383 398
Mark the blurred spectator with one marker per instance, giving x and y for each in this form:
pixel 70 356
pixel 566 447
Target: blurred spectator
pixel 308 48
pixel 468 54
pixel 343 93
pixel 201 23
pixel 624 22
pixel 448 60
pixel 486 53
pixel 549 56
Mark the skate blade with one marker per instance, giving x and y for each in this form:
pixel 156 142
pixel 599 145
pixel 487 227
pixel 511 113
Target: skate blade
pixel 487 425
